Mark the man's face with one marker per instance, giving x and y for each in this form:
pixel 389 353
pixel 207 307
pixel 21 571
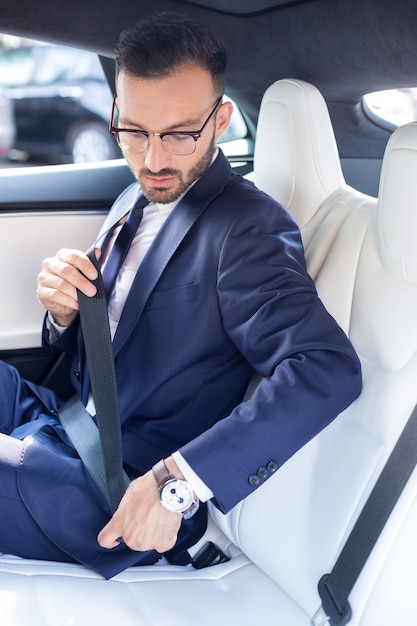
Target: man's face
pixel 181 102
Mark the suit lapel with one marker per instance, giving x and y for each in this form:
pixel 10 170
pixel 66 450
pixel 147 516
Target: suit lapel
pixel 166 243
pixel 122 206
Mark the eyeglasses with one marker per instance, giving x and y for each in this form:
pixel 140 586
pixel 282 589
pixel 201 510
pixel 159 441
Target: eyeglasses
pixel 180 142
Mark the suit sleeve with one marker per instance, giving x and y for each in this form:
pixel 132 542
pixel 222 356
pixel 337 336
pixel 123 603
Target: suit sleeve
pixel 310 372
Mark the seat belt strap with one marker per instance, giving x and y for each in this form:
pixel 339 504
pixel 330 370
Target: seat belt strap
pixel 102 454
pixel 83 432
pixel 335 588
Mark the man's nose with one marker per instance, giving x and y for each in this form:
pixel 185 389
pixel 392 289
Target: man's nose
pixel 157 157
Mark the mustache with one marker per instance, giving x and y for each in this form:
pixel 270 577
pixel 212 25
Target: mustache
pixel 166 171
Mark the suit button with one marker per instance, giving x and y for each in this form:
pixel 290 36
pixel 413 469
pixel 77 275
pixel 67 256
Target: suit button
pixel 253 480
pixel 271 467
pixel 76 374
pixel 262 472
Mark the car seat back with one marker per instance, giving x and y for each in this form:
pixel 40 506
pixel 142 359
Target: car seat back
pixel 294 527
pixel 296 161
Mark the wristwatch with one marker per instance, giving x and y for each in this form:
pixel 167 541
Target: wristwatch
pixel 176 495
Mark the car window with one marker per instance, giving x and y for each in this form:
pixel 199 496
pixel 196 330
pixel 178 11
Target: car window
pixel 59 64
pixel 60 100
pixel 392 107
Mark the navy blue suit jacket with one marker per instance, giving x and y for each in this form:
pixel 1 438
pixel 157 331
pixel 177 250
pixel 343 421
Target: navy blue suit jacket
pixel 222 293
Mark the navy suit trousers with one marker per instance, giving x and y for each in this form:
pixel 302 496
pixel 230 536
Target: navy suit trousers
pixel 50 508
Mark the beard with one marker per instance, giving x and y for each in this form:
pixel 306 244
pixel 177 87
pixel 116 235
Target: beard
pixel 163 195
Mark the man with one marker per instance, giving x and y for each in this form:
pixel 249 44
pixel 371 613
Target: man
pixel 213 289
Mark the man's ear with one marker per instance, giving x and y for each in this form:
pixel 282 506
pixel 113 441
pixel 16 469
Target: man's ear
pixel 223 118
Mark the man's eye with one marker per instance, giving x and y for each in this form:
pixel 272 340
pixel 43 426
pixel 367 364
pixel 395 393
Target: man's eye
pixel 180 138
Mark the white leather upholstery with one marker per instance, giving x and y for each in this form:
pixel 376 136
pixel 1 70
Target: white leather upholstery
pixel 397 213
pixel 235 594
pixel 291 530
pixel 296 159
pixel 297 162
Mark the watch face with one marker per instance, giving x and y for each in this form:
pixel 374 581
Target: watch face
pixel 176 496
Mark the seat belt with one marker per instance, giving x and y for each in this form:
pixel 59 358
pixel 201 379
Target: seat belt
pixel 100 448
pixel 84 434
pixel 335 588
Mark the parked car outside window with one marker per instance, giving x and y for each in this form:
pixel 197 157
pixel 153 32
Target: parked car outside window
pixel 61 103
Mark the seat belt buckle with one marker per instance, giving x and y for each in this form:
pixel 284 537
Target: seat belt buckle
pixel 329 613
pixel 209 555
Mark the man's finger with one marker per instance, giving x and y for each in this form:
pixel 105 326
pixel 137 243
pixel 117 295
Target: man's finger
pixel 108 537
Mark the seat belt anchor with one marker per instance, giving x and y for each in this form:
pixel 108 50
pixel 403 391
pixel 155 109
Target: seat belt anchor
pixel 329 612
pixel 209 555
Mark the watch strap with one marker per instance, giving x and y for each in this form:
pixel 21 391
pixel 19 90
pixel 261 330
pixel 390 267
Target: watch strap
pixel 161 473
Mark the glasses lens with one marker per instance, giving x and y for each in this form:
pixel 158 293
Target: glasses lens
pixel 135 143
pixel 179 144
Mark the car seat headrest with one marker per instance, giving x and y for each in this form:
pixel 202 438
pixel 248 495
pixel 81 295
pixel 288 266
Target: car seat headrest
pixel 397 204
pixel 296 160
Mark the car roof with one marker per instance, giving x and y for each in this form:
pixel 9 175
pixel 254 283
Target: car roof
pixel 345 47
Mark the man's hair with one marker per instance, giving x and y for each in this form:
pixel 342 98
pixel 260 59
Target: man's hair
pixel 160 44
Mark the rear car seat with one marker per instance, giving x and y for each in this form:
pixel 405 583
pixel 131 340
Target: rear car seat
pixel 288 533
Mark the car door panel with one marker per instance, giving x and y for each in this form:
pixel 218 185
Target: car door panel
pixel 42 210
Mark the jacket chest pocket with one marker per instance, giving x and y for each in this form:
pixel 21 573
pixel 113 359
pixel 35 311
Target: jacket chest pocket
pixel 170 297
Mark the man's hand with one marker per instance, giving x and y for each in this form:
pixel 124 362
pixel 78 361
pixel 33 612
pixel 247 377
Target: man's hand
pixel 59 280
pixel 141 520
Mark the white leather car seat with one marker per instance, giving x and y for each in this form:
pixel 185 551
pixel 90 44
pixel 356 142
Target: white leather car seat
pixel 296 161
pixel 368 281
pixel 288 533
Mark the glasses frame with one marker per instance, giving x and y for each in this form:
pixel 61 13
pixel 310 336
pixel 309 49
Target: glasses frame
pixel 195 134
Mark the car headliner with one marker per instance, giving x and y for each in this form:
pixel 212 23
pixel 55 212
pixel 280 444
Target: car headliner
pixel 345 47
